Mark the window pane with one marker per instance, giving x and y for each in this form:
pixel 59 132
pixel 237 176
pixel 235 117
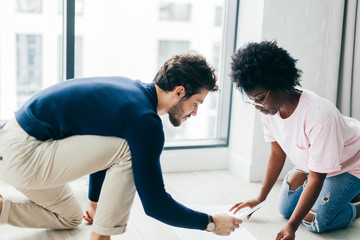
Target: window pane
pixel 121 38
pixel 28 66
pixel 78 56
pixel 30 6
pixel 218 16
pixel 29 56
pixel 174 11
pixel 169 48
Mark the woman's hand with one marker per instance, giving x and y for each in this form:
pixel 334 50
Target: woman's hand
pixel 287 233
pixel 240 205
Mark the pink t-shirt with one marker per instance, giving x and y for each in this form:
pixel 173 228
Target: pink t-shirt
pixel 317 137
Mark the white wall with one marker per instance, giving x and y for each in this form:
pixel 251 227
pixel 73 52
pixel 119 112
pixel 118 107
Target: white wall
pixel 311 31
pixel 247 150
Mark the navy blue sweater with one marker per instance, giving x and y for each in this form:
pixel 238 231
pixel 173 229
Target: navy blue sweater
pixel 119 107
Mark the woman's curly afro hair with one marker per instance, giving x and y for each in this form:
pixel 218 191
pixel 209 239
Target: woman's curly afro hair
pixel 264 65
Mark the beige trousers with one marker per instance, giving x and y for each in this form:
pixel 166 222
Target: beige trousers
pixel 42 169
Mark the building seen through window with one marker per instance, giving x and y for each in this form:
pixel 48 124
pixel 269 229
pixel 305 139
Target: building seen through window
pixel 218 16
pixel 28 66
pixel 169 48
pixel 173 11
pixel 29 6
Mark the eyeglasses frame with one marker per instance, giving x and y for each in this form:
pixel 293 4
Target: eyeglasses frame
pixel 262 105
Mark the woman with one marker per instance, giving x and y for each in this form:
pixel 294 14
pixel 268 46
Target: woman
pixel 323 144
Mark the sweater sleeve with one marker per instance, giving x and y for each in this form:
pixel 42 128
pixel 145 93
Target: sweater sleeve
pixel 146 141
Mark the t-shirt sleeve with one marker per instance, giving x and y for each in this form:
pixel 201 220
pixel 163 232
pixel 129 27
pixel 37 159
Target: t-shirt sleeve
pixel 326 147
pixel 146 141
pixel 268 137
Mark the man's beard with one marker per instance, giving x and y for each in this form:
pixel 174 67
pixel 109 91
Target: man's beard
pixel 176 113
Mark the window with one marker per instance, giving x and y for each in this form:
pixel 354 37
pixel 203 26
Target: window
pixel 216 54
pixel 28 50
pixel 218 16
pixel 78 57
pixel 28 66
pixel 30 6
pixel 137 40
pixel 170 11
pixel 117 38
pixel 169 48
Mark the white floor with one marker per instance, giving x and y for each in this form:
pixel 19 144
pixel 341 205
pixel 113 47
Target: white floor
pixel 209 187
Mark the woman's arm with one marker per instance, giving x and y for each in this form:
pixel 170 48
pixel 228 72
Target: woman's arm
pixel 275 165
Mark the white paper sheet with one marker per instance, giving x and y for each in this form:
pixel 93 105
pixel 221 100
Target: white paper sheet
pixel 189 234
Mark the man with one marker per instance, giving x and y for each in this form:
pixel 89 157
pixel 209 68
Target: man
pixel 83 126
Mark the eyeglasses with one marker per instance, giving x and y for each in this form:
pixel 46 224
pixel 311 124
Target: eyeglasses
pixel 255 102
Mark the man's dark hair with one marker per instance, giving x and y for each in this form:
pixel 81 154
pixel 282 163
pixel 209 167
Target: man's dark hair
pixel 189 70
pixel 264 65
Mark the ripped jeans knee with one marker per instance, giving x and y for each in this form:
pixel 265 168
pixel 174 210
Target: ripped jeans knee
pixel 288 198
pixel 313 224
pixel 332 208
pixel 330 213
pixel 311 221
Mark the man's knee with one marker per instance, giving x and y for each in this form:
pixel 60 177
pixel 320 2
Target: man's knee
pixel 72 221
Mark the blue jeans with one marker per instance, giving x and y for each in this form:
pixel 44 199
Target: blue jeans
pixel 333 208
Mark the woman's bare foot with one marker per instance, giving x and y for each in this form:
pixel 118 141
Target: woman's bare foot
pixel 90 212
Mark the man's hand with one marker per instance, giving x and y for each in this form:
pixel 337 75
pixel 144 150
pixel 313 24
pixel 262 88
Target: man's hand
pixel 90 212
pixel 225 224
pixel 240 205
pixel 287 233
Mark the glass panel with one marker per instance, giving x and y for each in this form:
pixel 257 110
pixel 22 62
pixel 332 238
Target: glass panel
pixel 169 48
pixel 121 38
pixel 30 6
pixel 218 16
pixel 29 56
pixel 28 66
pixel 171 11
pixel 78 56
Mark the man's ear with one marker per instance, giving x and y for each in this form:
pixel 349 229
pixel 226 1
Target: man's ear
pixel 179 91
